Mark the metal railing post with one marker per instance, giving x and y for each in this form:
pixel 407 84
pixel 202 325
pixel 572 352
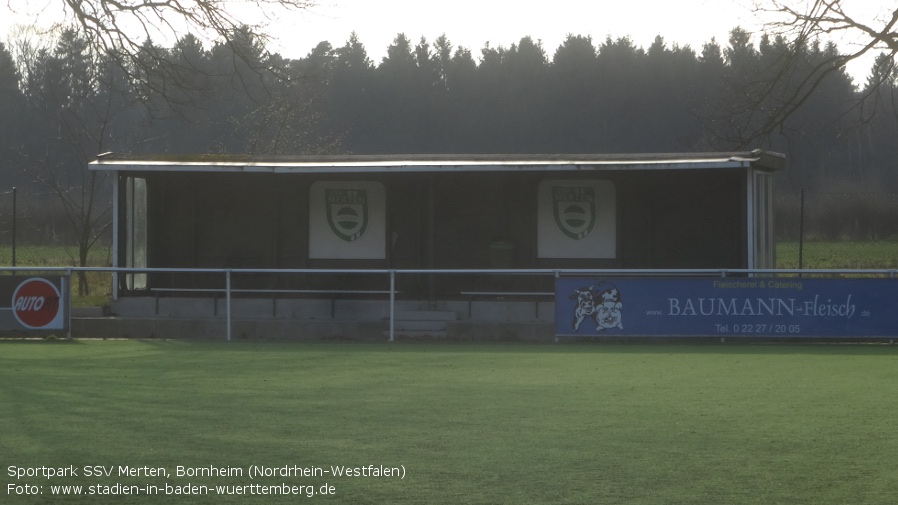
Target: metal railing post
pixel 67 300
pixel 392 305
pixel 14 219
pixel 228 301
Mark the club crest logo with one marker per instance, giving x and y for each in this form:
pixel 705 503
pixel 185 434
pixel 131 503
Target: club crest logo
pixel 575 210
pixel 347 212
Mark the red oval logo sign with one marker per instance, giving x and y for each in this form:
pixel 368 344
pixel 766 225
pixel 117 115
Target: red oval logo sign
pixel 36 303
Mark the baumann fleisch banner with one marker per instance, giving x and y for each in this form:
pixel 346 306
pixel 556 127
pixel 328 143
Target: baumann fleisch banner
pixel 781 307
pixel 32 303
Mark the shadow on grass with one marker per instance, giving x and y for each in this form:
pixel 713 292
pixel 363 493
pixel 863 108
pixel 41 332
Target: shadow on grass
pixel 634 347
pixel 48 340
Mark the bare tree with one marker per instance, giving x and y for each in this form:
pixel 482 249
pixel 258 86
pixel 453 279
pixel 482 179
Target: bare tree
pixel 804 23
pixel 807 20
pixel 76 99
pixel 119 29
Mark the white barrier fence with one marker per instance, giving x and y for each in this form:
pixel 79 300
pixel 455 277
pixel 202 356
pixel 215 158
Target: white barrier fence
pixel 392 274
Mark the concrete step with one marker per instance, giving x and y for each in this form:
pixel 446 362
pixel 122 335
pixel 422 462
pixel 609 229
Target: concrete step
pixel 416 325
pixel 423 323
pixel 426 315
pixel 78 312
pixel 418 334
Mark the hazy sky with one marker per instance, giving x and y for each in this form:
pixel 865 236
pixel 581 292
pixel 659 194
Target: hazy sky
pixel 473 23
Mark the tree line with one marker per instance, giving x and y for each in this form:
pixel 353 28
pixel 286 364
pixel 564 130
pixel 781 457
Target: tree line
pixel 61 104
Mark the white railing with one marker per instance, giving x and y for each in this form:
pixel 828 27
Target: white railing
pixel 392 274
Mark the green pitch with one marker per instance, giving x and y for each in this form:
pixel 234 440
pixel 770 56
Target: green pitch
pixel 422 423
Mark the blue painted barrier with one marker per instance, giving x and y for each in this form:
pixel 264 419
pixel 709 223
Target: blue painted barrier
pixel 726 306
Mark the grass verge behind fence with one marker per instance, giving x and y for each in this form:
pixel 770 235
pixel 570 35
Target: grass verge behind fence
pixel 100 283
pixel 475 424
pixel 839 255
pixel 816 255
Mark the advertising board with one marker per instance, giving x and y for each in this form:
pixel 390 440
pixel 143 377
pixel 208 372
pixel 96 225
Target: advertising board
pixel 726 306
pixel 33 303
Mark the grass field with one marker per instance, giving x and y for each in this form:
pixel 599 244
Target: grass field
pixel 839 255
pixel 478 424
pixel 53 256
pixel 100 283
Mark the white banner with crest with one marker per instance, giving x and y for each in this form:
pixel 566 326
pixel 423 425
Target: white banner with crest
pixel 577 219
pixel 347 220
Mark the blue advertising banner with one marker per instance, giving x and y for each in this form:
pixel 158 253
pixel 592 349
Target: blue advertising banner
pixel 726 306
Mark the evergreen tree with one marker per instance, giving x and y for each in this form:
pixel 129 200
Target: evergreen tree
pixel 12 110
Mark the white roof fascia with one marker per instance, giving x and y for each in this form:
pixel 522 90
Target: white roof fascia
pixel 416 166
